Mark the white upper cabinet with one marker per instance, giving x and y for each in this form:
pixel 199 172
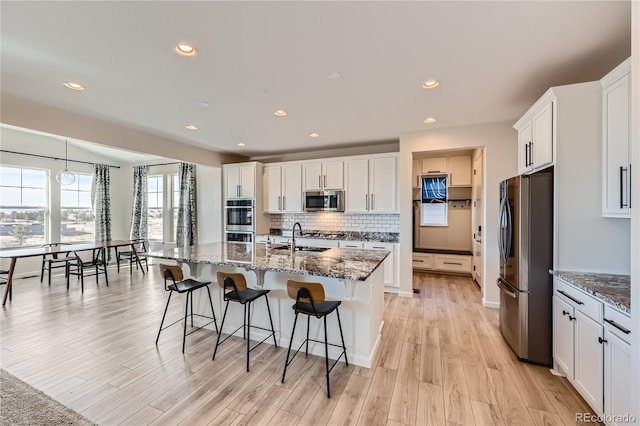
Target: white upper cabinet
pixel 320 175
pixel 616 142
pixel 416 172
pixel 371 185
pixel 460 170
pixel 535 136
pixel 240 180
pixel 282 187
pixel 434 165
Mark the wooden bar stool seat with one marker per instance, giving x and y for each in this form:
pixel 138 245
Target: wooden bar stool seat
pixel 181 285
pixel 310 301
pixel 235 289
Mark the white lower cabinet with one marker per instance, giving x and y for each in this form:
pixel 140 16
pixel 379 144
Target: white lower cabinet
pixel 391 278
pixel 589 362
pixel 437 262
pixel 591 347
pixel 563 348
pixel 617 365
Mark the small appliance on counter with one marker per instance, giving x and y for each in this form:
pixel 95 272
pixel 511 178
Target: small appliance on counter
pixel 525 246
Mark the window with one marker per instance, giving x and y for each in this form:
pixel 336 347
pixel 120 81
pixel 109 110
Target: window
pixel 77 222
pixel 434 201
pixel 155 208
pixel 23 203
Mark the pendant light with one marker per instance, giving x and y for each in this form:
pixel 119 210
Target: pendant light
pixel 65 177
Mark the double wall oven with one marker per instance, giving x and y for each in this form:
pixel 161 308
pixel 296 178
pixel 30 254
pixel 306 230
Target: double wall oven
pixel 239 224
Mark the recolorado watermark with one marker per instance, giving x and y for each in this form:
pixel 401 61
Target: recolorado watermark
pixel 606 418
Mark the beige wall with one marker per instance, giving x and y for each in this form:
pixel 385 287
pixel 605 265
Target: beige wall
pixel 499 141
pixel 30 115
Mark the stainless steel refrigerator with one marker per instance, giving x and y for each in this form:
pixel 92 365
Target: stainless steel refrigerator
pixel 525 245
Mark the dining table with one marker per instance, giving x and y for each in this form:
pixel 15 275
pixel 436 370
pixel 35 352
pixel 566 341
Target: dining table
pixel 16 254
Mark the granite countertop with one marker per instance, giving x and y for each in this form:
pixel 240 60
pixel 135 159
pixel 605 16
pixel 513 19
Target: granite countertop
pixel 381 237
pixel 348 264
pixel 612 289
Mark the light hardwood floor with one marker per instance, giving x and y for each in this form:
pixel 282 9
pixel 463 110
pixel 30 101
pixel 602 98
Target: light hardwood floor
pixel 442 362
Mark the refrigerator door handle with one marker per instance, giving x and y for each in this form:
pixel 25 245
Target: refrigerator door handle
pixel 507 250
pixel 500 283
pixel 500 223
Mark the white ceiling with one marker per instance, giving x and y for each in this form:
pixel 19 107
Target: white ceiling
pixel 494 59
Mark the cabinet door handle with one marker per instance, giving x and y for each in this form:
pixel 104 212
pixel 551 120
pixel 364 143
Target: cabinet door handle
pixel 238 190
pixel 373 205
pixel 570 297
pixel 629 185
pixel 279 203
pixel 565 312
pixel 378 247
pixel 418 260
pixel 526 155
pixel 601 340
pixel 284 202
pixel 319 183
pixel 325 181
pixel 531 153
pixel 366 201
pixel 618 326
pixel 452 263
pixel 622 203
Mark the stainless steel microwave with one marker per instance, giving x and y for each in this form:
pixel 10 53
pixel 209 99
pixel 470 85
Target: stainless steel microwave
pixel 316 201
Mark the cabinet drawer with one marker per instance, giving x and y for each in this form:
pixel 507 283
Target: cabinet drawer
pixel 580 300
pixel 350 244
pixel 618 323
pixel 316 242
pixel 422 261
pixel 452 263
pixel 378 246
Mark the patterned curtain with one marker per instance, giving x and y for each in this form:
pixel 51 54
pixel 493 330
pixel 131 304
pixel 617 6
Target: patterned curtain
pixel 102 202
pixel 140 201
pixel 186 229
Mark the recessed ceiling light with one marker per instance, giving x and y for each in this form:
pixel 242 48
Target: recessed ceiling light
pixel 430 84
pixel 280 113
pixel 191 127
pixel 73 86
pixel 185 49
pixel 204 104
pixel 334 75
pixel 314 135
pixel 430 120
pixel 242 144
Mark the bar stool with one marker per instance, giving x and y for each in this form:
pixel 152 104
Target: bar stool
pixel 309 297
pixel 235 290
pixel 181 285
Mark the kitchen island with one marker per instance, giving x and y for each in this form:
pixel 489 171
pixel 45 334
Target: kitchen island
pixel 350 275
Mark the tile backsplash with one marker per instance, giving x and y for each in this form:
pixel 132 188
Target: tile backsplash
pixel 331 221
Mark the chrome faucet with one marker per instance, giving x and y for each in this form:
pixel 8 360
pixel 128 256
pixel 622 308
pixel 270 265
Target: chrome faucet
pixel 293 235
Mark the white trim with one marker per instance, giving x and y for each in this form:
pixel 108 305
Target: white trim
pixel 492 305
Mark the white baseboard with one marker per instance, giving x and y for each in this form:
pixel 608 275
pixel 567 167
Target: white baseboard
pixel 402 293
pixel 392 290
pixel 492 305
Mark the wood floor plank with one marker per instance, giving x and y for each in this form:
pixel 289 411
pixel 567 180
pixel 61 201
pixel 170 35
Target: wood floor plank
pixel 143 417
pixel 430 405
pixel 375 410
pixel 226 418
pixel 456 395
pixel 404 399
pixel 486 414
pixel 347 410
pixel 545 418
pixel 512 408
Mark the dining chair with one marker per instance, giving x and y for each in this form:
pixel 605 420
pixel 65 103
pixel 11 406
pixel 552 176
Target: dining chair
pixel 80 263
pixel 52 261
pixel 130 256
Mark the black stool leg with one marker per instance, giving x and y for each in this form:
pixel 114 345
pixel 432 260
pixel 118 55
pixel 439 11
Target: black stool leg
pixel 49 277
pixel 271 322
pixel 42 271
pixel 342 337
pixel 66 272
pixel 213 314
pixel 244 319
pixel 286 363
pixel 306 349
pixel 186 312
pixel 163 315
pixel 326 356
pixel 191 310
pixel 224 316
pixel 248 332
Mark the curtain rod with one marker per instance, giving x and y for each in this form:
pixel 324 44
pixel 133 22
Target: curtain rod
pixel 54 158
pixel 162 164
